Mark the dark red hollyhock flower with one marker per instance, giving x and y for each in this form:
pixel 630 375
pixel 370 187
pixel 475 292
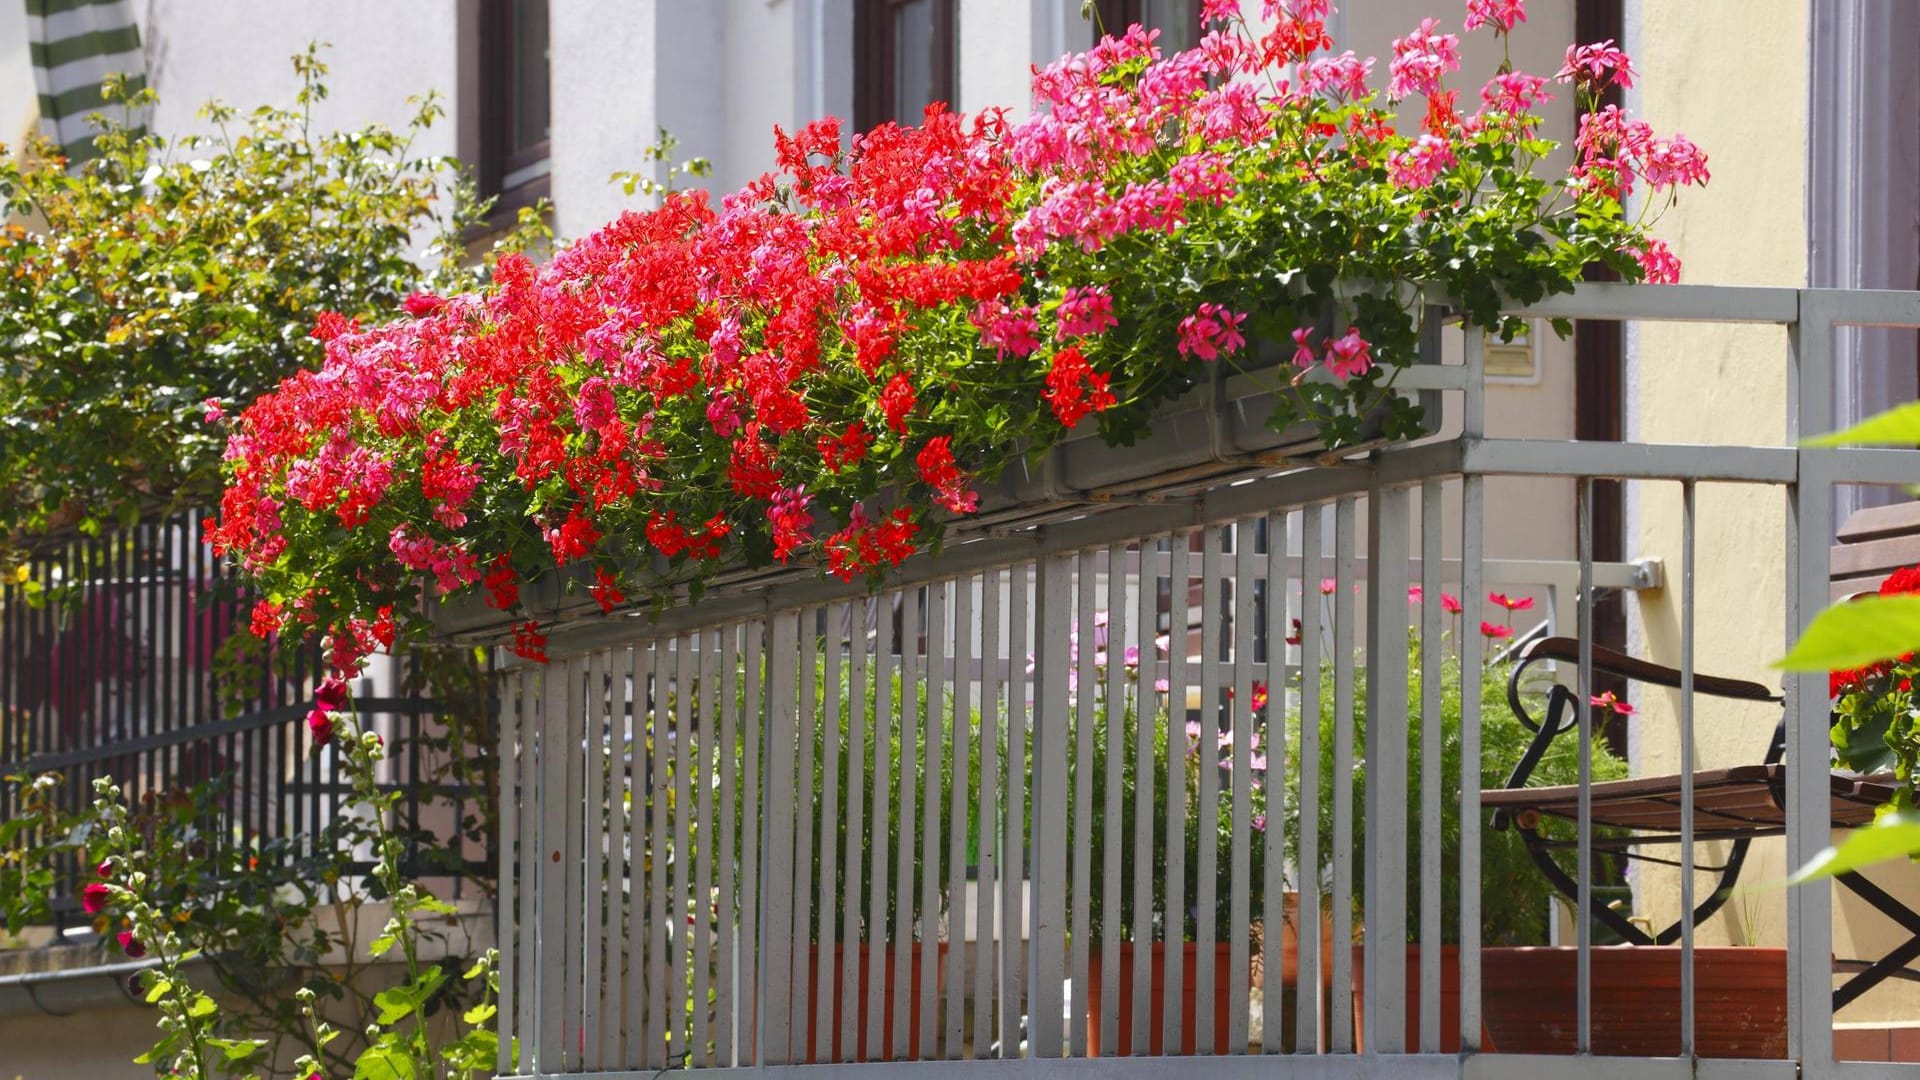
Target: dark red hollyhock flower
pixel 329 698
pixel 105 869
pixel 131 945
pixel 94 898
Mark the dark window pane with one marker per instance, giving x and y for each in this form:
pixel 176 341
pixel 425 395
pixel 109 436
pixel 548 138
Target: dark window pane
pixel 528 99
pixel 1177 20
pixel 913 44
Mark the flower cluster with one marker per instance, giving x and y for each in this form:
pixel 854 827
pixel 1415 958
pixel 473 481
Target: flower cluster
pixel 833 363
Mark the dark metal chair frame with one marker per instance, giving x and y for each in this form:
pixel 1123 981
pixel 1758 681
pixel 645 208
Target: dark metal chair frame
pixel 1742 804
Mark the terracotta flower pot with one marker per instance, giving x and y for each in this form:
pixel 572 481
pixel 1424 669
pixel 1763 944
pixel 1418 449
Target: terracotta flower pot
pixel 1740 999
pixel 1449 999
pixel 1122 1043
pixel 873 1035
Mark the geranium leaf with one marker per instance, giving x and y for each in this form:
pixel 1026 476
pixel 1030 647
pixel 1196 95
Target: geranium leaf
pixel 1893 836
pixel 1866 631
pixel 1899 425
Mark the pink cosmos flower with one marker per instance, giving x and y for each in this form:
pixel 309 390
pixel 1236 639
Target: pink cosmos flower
pixel 1609 702
pixel 1418 165
pixel 1450 604
pixel 1416 593
pixel 1327 585
pixel 1219 10
pixel 1210 331
pixel 1658 261
pixel 1421 59
pixel 1495 630
pixel 1599 64
pixel 1514 93
pixel 1086 310
pixel 1349 356
pixel 1303 357
pixel 1511 603
pixel 1501 13
pixel 1674 162
pixel 1011 331
pixel 1343 77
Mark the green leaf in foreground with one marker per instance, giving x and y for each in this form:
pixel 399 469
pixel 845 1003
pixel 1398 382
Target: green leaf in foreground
pixel 1851 635
pixel 1899 425
pixel 1894 836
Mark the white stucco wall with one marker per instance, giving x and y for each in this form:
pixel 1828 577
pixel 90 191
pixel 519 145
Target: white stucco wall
pixel 18 103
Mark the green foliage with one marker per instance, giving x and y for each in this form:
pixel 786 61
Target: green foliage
pixel 1877 721
pixel 1851 635
pixel 165 274
pixel 1514 894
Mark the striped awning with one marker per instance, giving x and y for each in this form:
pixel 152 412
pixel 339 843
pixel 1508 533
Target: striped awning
pixel 75 44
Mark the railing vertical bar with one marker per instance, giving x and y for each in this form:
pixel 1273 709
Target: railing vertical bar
pixel 530 810
pixel 1082 688
pixel 776 955
pixel 1240 857
pixel 1308 1018
pixel 986 935
pixel 1688 507
pixel 1472 648
pixel 553 909
pixel 803 803
pixel 754 809
pixel 1206 933
pixel 574 861
pixel 594 876
pixel 1274 781
pixel 638 927
pixel 957 812
pixel 728 994
pixel 660 936
pixel 505 931
pixel 933 745
pixel 1809 811
pixel 1146 716
pixel 906 1029
pixel 880 941
pixel 1047 930
pixel 1341 990
pixel 1016 918
pixel 705 909
pixel 852 1008
pixel 1583 905
pixel 1385 906
pixel 1112 820
pixel 825 996
pixel 619 924
pixel 1432 743
pixel 1179 751
pixel 680 906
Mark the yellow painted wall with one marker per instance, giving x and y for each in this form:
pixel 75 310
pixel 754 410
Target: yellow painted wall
pixel 1715 384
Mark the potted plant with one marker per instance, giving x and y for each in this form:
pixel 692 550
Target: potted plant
pixel 870 344
pixel 1515 898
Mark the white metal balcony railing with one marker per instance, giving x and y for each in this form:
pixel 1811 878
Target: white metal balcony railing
pixel 755 804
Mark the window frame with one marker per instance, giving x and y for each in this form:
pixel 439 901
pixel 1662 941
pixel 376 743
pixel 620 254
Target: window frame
pixel 494 159
pixel 875 63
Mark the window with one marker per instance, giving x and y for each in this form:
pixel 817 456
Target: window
pixel 903 59
pixel 514 101
pixel 1177 20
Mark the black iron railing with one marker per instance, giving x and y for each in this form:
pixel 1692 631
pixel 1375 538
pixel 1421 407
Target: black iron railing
pixel 129 655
